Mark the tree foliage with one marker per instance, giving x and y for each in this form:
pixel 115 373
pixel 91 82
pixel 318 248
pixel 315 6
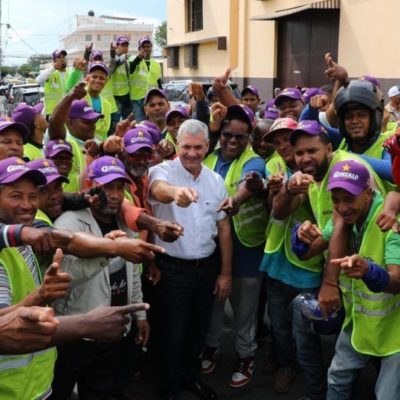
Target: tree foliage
pixel 160 35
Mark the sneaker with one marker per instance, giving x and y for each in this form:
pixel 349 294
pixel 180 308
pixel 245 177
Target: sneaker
pixel 208 357
pixel 284 379
pixel 243 372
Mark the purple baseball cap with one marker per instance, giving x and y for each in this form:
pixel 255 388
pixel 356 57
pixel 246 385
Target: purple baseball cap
pixel 153 129
pixel 371 79
pixel 13 168
pixel 57 53
pixel 250 89
pixel 288 93
pixel 95 54
pixel 311 92
pixel 18 126
pixel 270 111
pixel 241 112
pixel 309 127
pixel 25 114
pixel 154 92
pixel 82 109
pixel 136 139
pixel 144 40
pixel 349 175
pixel 99 65
pixel 180 111
pixel 53 147
pixel 122 39
pixel 107 169
pixel 48 169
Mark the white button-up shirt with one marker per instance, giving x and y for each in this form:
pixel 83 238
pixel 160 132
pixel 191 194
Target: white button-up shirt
pixel 200 218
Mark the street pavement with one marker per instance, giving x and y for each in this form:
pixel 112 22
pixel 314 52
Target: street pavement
pixel 260 388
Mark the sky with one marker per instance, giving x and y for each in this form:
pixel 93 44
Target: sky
pixel 37 25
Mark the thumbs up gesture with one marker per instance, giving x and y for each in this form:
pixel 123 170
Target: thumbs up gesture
pixel 55 282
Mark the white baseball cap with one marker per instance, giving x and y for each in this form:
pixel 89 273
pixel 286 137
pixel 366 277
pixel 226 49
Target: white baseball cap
pixel 394 91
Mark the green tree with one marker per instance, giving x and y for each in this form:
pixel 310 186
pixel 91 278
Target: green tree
pixel 8 69
pixel 24 69
pixel 160 35
pixel 36 60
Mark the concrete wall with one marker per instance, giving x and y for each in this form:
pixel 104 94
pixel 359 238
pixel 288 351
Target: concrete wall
pixel 367 40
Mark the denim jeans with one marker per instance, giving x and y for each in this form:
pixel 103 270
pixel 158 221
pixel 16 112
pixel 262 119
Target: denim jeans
pixel 346 365
pixel 185 302
pixel 138 111
pixel 124 105
pixel 284 310
pixel 244 300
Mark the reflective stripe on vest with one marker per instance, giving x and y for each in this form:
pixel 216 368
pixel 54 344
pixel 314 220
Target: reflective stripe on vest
pixel 26 376
pixel 375 316
pixel 279 231
pixel 143 79
pixel 251 221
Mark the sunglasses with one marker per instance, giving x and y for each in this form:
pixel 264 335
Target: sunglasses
pixel 237 136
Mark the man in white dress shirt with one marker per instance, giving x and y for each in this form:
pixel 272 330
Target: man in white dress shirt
pixel 191 270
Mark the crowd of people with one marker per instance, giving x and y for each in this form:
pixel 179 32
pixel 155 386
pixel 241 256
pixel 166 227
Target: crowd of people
pixel 126 226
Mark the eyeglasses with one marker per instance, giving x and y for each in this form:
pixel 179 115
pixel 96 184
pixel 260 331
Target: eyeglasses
pixel 237 136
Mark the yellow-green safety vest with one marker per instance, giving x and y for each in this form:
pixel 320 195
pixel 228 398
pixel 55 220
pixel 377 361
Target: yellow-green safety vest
pixel 143 79
pixel 41 216
pixel 375 317
pixel 102 124
pixel 54 90
pixel 279 231
pixel 251 220
pixel 74 184
pixel 78 160
pixel 107 93
pixel 32 152
pixel 120 80
pixel 320 198
pixel 27 376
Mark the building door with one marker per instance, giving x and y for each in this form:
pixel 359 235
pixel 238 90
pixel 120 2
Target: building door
pixel 303 40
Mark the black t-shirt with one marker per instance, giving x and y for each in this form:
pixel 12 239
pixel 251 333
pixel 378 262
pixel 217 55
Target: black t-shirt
pixel 118 280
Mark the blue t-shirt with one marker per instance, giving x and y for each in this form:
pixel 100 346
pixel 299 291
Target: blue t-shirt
pixel 246 260
pixel 96 104
pixel 277 266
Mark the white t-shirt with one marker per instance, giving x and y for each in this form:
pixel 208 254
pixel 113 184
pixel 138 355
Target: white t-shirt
pixel 199 219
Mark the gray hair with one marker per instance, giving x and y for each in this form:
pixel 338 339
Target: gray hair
pixel 192 127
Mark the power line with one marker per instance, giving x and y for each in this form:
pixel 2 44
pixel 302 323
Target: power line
pixel 22 40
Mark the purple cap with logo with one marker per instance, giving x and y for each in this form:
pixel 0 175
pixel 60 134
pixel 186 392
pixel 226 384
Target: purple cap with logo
pixel 281 124
pixel 179 111
pixel 311 92
pixel 136 139
pixel 96 54
pixel 48 169
pixel 13 168
pixel 154 92
pixel 122 39
pixel 241 112
pixel 53 147
pixel 107 169
pixel 309 127
pixel 270 111
pixel 21 128
pixel 25 114
pixel 349 175
pixel 250 89
pixel 291 93
pixel 57 53
pixel 82 109
pixel 144 40
pixel 99 65
pixel 153 129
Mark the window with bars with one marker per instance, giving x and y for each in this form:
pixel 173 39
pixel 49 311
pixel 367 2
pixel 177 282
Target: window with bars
pixel 195 15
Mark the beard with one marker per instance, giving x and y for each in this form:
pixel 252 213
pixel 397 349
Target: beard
pixel 138 172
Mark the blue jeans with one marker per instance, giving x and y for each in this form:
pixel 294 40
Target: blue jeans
pixel 124 105
pixel 287 322
pixel 138 111
pixel 346 365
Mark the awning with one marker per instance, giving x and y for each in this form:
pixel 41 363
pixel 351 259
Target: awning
pixel 319 5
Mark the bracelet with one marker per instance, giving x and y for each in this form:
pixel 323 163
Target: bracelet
pixel 335 285
pixel 287 189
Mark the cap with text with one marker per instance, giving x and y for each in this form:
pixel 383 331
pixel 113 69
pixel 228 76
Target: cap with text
pixel 13 168
pixel 106 169
pixel 48 169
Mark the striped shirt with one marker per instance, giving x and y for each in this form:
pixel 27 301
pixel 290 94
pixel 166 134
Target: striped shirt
pixel 5 289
